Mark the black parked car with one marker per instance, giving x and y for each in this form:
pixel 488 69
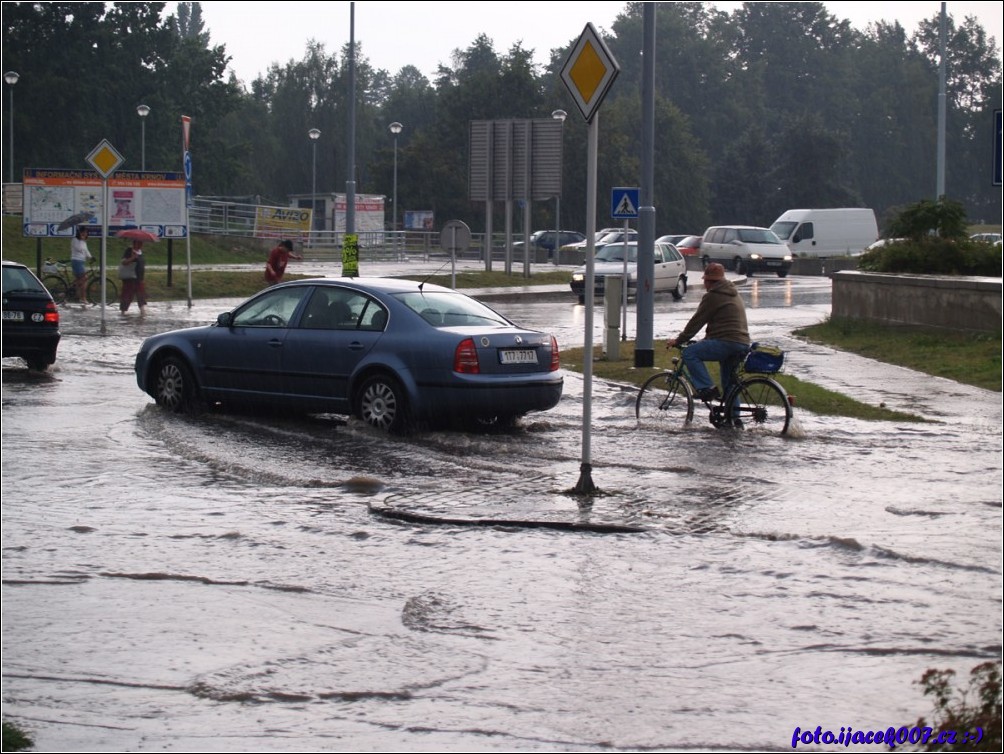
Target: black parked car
pixel 30 318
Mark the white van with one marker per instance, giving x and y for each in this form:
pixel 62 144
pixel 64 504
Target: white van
pixel 827 232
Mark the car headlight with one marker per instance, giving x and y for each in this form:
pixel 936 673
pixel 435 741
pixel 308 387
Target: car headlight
pixel 787 257
pixel 755 257
pixel 578 277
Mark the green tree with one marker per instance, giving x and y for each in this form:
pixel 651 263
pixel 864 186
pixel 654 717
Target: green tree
pixel 973 88
pixel 944 218
pixel 809 161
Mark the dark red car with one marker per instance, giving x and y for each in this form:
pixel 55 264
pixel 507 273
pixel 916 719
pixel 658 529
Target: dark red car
pixel 689 246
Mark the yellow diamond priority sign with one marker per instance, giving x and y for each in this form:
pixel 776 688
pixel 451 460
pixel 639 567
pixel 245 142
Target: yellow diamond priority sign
pixel 589 72
pixel 105 159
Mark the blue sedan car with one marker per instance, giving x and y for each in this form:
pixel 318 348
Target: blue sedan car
pixel 392 353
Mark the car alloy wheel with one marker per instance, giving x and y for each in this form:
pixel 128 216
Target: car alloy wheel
pixel 175 386
pixel 381 403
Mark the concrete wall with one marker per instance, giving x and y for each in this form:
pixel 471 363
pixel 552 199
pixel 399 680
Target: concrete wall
pixel 967 304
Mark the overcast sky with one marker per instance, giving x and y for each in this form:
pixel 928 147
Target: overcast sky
pixel 395 34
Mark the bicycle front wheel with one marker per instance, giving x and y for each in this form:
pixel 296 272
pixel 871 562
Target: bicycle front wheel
pixel 761 405
pixel 94 291
pixel 666 398
pixel 57 288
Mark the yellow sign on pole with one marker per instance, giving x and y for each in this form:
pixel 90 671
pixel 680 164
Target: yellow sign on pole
pixel 589 72
pixel 105 159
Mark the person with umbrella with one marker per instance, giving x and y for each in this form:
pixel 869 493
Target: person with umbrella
pixel 79 257
pixel 132 270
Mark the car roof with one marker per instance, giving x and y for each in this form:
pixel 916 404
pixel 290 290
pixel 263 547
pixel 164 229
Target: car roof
pixel 383 285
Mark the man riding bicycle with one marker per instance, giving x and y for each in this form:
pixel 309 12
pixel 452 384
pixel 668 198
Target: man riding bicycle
pixel 727 339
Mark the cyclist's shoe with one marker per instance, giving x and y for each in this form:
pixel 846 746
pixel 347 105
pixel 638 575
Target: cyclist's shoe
pixel 709 393
pixel 737 424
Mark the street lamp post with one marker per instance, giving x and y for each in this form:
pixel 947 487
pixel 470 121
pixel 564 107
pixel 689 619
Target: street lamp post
pixel 11 78
pixel 314 135
pixel 558 115
pixel 395 128
pixel 142 111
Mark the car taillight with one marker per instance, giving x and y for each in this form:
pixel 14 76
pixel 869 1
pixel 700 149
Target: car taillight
pixel 555 357
pixel 51 314
pixel 465 358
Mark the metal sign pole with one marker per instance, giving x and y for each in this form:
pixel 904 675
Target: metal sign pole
pixel 585 484
pixel 104 251
pixel 624 285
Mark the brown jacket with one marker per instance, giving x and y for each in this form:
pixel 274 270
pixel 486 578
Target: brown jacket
pixel 723 312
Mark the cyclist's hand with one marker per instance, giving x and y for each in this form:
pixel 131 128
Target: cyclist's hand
pixel 671 343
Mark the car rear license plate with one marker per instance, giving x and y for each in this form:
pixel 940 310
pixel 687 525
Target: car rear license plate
pixel 518 356
pixel 13 316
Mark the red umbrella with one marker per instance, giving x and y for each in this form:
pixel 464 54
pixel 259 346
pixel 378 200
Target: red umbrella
pixel 137 235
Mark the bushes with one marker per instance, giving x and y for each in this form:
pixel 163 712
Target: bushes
pixel 933 255
pixel 973 711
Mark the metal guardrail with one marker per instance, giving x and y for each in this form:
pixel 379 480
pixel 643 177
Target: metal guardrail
pixel 216 217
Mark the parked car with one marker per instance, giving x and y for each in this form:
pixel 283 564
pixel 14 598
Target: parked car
pixel 883 242
pixel 30 318
pixel 673 239
pixel 994 238
pixel 544 240
pixel 689 246
pixel 605 236
pixel 746 249
pixel 670 270
pixel 393 353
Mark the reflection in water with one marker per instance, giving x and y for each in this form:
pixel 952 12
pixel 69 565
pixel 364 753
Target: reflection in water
pixel 166 575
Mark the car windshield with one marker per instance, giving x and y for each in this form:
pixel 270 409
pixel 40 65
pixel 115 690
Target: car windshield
pixel 448 309
pixel 783 230
pixel 758 235
pixel 610 237
pixel 615 253
pixel 20 279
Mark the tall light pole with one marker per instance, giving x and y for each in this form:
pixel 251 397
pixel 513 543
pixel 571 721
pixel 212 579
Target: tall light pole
pixel 395 128
pixel 558 115
pixel 11 78
pixel 142 111
pixel 314 135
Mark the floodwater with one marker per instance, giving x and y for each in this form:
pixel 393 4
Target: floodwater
pixel 228 581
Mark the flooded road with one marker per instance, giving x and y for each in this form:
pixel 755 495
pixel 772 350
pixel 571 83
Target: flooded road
pixel 220 582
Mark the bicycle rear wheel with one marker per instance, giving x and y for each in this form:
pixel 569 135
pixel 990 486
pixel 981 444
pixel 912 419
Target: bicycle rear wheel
pixel 666 398
pixel 94 291
pixel 57 288
pixel 762 406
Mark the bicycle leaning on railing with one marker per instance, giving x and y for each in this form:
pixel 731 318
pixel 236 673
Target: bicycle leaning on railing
pixel 754 402
pixel 57 277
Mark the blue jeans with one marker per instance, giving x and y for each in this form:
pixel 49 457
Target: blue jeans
pixel 725 352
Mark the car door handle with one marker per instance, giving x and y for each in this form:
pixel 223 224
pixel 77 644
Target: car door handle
pixel 275 343
pixel 355 345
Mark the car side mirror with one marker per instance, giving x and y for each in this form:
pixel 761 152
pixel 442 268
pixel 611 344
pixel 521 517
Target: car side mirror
pixel 225 319
pixel 796 238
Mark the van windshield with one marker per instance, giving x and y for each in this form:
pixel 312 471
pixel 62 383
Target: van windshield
pixel 757 235
pixel 784 230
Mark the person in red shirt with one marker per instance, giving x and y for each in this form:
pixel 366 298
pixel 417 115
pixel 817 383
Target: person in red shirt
pixel 275 267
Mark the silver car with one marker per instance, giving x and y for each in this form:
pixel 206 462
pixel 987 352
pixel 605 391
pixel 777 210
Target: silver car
pixel 670 270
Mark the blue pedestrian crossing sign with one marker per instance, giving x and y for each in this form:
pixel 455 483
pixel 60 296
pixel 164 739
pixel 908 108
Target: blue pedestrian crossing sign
pixel 624 203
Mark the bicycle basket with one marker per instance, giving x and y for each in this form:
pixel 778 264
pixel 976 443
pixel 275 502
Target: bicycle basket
pixel 764 359
pixel 49 266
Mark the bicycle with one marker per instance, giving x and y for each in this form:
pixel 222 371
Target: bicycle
pixel 754 402
pixel 58 279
